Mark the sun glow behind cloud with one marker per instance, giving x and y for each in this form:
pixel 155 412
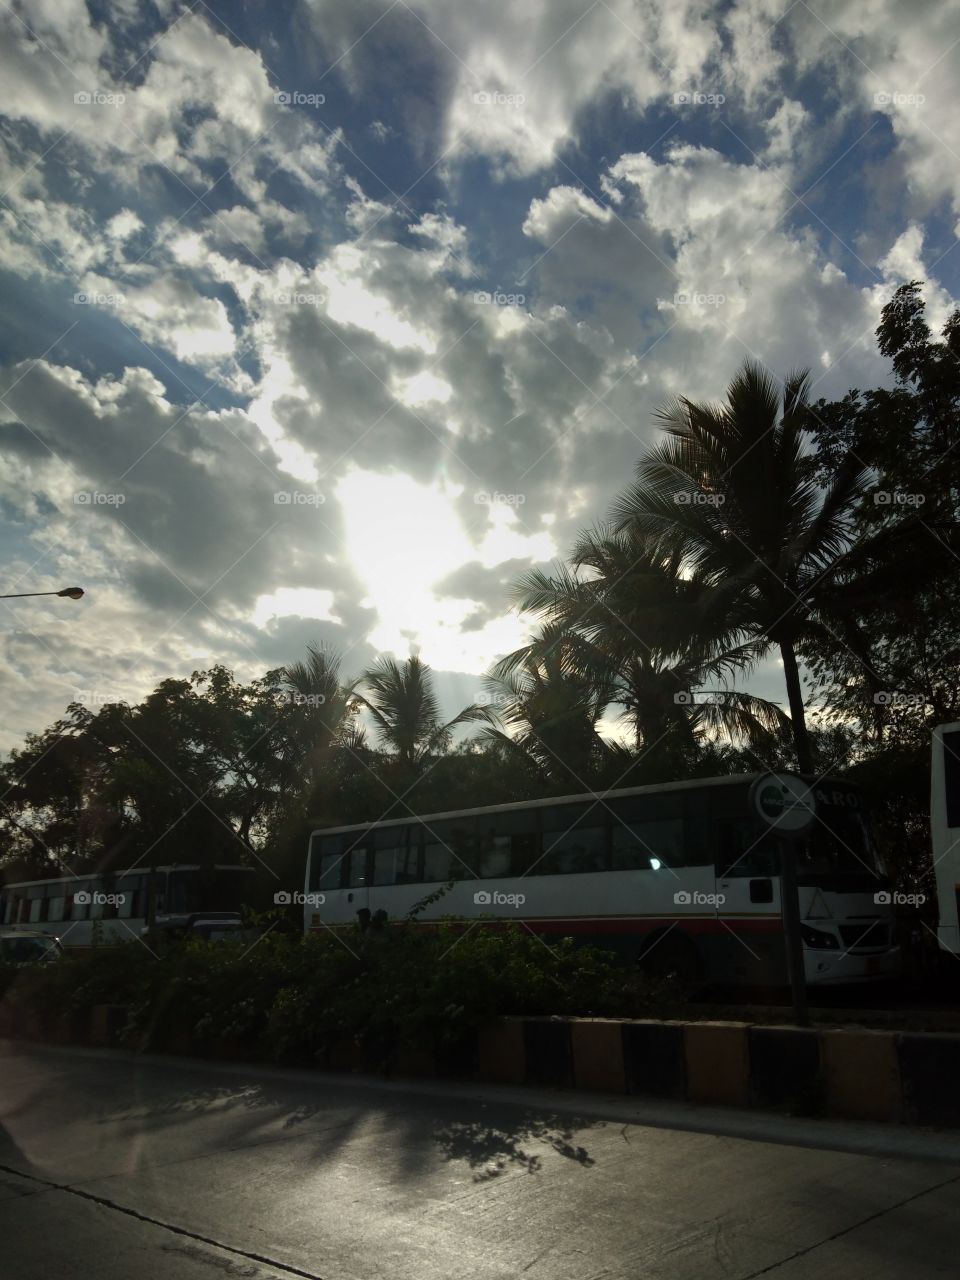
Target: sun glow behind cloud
pixel 403 538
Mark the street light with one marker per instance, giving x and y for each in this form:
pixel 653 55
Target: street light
pixel 72 593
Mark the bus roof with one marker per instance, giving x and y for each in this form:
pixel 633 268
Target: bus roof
pixel 99 875
pixel 686 784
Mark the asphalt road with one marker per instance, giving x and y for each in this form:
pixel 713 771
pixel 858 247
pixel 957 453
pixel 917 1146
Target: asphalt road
pixel 114 1167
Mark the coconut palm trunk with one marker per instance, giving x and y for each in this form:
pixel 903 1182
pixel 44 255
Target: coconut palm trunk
pixel 801 738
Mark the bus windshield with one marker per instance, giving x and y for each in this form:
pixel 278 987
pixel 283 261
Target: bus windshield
pixel 840 845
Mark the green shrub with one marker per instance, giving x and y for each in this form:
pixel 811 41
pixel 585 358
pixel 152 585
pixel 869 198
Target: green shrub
pixel 299 999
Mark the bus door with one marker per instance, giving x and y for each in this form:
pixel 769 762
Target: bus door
pixel 748 897
pixel 358 857
pixel 945 832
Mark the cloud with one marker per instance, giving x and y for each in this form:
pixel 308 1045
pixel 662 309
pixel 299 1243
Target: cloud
pixel 436 311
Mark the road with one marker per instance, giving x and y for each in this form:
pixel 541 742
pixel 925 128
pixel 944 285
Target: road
pixel 113 1166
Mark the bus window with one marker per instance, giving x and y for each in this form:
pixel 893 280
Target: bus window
pixel 747 848
pixel 507 843
pixel 650 845
pixel 449 850
pixel 74 910
pixel 327 863
pixel 839 845
pixel 37 894
pixel 574 840
pixel 357 877
pixel 57 905
pixel 951 777
pixel 132 906
pixel 394 859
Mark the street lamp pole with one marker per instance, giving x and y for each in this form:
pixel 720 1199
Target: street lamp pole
pixel 71 593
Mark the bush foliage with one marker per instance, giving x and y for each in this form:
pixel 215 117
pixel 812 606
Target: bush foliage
pixel 406 986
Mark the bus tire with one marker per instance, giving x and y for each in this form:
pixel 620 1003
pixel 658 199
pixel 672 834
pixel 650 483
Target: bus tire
pixel 668 955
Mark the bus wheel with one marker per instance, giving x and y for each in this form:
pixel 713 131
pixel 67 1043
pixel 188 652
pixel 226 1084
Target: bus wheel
pixel 665 956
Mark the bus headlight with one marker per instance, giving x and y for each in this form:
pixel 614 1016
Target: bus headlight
pixel 818 940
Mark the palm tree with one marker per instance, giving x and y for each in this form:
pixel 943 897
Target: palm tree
pixel 730 497
pixel 406 712
pixel 323 711
pixel 634 629
pixel 552 701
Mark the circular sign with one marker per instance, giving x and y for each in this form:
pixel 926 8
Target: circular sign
pixel 784 802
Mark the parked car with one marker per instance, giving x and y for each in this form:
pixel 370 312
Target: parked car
pixel 27 946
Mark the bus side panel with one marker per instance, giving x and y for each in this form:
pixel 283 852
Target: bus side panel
pixel 945 831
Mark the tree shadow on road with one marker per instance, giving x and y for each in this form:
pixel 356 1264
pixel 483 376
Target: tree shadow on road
pixel 493 1149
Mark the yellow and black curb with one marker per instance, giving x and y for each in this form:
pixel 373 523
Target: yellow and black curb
pixel 904 1077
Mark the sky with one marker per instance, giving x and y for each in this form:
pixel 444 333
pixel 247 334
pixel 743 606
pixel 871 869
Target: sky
pixel 323 323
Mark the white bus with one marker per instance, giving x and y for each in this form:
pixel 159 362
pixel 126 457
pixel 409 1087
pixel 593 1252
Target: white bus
pixel 682 877
pixel 121 905
pixel 945 831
